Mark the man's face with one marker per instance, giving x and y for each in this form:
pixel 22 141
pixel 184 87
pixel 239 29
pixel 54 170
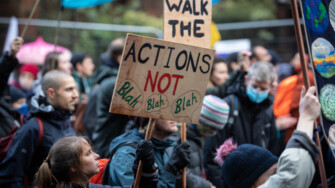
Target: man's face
pixel 66 97
pixel 260 86
pixel 262 54
pixel 87 67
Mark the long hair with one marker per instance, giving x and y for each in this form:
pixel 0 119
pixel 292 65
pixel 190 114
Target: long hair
pixel 50 62
pixel 63 164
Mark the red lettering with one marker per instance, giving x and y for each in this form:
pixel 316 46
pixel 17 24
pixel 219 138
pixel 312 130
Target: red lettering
pixel 176 84
pixel 153 84
pixel 162 89
pixel 167 86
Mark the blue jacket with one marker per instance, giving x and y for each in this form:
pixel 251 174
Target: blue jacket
pixel 120 168
pixel 25 156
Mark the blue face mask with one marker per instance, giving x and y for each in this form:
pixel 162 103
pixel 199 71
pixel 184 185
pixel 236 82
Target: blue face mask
pixel 23 109
pixel 255 96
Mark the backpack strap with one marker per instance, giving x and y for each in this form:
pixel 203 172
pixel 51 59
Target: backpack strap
pixel 40 125
pixel 105 175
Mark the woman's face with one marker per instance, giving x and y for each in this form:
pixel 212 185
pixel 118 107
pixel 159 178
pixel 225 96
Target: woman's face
pixel 64 63
pixel 220 73
pixel 266 175
pixel 89 160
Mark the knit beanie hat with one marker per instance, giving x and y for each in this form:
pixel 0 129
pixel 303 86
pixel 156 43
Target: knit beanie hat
pixel 243 165
pixel 214 112
pixel 33 69
pixel 15 94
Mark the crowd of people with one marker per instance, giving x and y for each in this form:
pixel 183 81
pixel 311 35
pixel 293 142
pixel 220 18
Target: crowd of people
pixel 255 127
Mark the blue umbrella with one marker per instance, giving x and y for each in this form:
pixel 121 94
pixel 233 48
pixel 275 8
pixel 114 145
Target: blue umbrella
pixel 83 3
pixel 215 1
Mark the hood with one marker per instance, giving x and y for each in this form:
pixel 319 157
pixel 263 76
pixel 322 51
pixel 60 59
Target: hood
pixel 106 60
pixel 39 106
pixel 105 72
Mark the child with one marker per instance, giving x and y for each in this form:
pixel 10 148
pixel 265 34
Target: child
pixel 71 162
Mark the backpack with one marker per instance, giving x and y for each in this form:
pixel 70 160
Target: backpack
pixel 102 176
pixel 6 142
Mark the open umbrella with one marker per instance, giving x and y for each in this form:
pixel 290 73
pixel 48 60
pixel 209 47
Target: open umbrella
pixel 35 52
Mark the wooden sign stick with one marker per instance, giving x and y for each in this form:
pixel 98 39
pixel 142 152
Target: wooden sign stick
pixel 29 19
pixel 140 166
pixel 298 34
pixel 183 139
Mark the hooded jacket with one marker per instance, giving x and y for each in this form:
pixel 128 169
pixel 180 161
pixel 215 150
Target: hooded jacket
pixel 25 156
pixel 108 125
pixel 120 168
pixel 254 124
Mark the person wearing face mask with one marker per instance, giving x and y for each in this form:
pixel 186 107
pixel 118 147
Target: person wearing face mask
pixel 249 119
pixel 27 76
pixel 18 100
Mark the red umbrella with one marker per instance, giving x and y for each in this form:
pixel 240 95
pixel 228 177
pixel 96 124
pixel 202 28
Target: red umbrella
pixel 35 52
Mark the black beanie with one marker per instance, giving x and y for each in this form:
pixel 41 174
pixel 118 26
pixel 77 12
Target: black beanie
pixel 15 94
pixel 246 164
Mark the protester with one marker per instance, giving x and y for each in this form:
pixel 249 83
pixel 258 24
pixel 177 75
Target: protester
pixel 83 71
pixel 232 60
pixel 107 125
pixel 249 117
pixel 27 76
pixel 236 76
pixel 219 73
pixel 71 162
pixel 169 161
pixel 260 53
pixel 26 153
pixel 213 116
pixel 8 61
pixel 58 61
pixel 252 166
pixel 286 103
pixel 18 100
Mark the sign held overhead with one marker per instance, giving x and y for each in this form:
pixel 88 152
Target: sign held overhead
pixel 188 21
pixel 160 79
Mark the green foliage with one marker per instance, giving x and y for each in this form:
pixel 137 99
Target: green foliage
pixel 244 10
pixel 93 41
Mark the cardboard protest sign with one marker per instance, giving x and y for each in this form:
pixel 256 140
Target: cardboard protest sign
pixel 319 19
pixel 160 79
pixel 188 22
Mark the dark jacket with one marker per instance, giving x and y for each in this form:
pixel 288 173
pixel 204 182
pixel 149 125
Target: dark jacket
pixel 252 125
pixel 25 156
pixel 108 125
pixel 120 169
pixel 194 170
pixel 8 116
pixel 90 117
